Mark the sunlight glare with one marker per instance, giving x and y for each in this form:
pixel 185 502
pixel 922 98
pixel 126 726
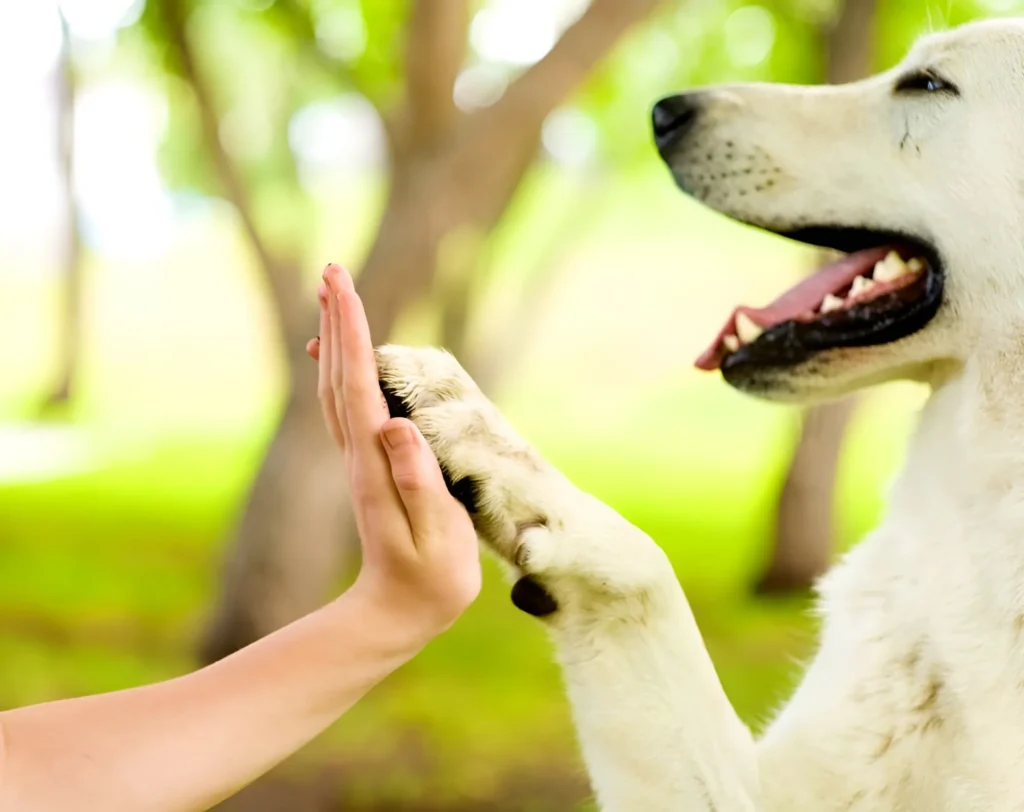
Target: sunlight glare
pixel 34 453
pixel 341 33
pixel 30 38
pixel 571 137
pixel 100 19
pixel 343 133
pixel 521 32
pixel 749 35
pixel 125 208
pixel 480 85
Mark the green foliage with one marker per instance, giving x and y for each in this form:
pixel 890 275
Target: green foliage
pixel 267 60
pixel 901 24
pixel 104 577
pixel 691 44
pixel 264 61
pixel 379 68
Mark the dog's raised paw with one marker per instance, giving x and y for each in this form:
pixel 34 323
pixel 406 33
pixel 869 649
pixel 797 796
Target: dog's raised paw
pixel 508 490
pixel 558 541
pixel 494 473
pixel 483 459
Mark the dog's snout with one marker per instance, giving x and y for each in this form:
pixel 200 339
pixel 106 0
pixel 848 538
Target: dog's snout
pixel 672 117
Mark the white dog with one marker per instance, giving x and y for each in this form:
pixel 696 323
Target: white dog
pixel 915 700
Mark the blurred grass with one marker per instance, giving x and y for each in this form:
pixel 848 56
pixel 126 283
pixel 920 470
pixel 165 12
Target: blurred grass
pixel 108 560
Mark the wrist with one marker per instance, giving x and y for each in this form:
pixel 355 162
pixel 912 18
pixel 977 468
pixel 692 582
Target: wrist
pixel 396 625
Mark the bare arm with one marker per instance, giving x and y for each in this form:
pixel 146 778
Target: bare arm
pixel 185 744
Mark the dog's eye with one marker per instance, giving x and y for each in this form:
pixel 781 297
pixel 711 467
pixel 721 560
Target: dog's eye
pixel 925 81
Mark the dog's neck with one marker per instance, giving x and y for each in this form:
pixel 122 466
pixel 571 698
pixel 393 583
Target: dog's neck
pixel 965 461
pixel 972 426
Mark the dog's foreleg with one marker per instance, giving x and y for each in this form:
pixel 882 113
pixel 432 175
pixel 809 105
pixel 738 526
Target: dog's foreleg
pixel 655 726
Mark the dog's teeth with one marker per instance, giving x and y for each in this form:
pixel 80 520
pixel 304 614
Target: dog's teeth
pixel 860 284
pixel 731 343
pixel 890 268
pixel 746 329
pixel 831 303
pixel 915 265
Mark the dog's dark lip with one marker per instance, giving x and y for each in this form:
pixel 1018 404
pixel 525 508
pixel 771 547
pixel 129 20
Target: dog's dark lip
pixel 880 321
pixel 848 240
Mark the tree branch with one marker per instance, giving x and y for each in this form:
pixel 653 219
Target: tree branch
pixel 71 261
pixel 803 526
pixel 472 179
pixel 848 41
pixel 515 120
pixel 280 277
pixel 563 69
pixel 292 14
pixel 435 51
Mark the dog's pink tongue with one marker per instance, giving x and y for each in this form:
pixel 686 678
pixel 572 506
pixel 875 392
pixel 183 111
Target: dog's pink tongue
pixel 799 302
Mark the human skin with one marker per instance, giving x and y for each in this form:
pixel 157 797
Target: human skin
pixel 188 743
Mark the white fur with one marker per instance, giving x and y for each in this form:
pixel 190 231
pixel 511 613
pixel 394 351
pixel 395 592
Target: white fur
pixel 915 700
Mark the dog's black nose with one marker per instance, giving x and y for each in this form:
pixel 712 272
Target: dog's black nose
pixel 672 117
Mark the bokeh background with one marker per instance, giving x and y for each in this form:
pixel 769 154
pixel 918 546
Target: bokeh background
pixel 173 176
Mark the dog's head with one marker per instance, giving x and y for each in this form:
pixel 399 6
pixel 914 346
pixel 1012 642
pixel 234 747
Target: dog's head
pixel 917 174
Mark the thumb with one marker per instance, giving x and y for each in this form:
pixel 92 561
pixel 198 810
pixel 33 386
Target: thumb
pixel 416 473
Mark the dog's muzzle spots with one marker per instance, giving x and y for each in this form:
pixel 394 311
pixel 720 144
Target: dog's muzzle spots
pixel 530 597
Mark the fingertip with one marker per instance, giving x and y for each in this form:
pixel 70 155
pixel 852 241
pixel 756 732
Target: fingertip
pixel 398 432
pixel 338 279
pixel 345 277
pixel 313 348
pixel 330 276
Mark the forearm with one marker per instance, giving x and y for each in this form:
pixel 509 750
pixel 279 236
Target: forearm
pixel 655 726
pixel 187 743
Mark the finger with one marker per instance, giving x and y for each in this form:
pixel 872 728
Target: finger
pixel 313 348
pixel 417 476
pixel 364 411
pixel 336 364
pixel 324 388
pixel 379 514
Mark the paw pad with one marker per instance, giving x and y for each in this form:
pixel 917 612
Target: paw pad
pixel 532 598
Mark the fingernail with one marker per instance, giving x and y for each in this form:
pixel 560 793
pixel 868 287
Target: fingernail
pixel 396 436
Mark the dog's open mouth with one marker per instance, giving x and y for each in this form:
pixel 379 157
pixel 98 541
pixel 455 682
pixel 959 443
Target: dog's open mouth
pixel 873 295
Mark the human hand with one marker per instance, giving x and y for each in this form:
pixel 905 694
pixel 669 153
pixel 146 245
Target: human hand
pixel 420 553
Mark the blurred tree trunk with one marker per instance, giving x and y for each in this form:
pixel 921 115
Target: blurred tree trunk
pixel 286 551
pixel 804 525
pixel 453 174
pixel 452 177
pixel 70 326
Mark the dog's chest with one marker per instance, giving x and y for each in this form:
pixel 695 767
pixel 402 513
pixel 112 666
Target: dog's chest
pixel 939 697
pixel 965 707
